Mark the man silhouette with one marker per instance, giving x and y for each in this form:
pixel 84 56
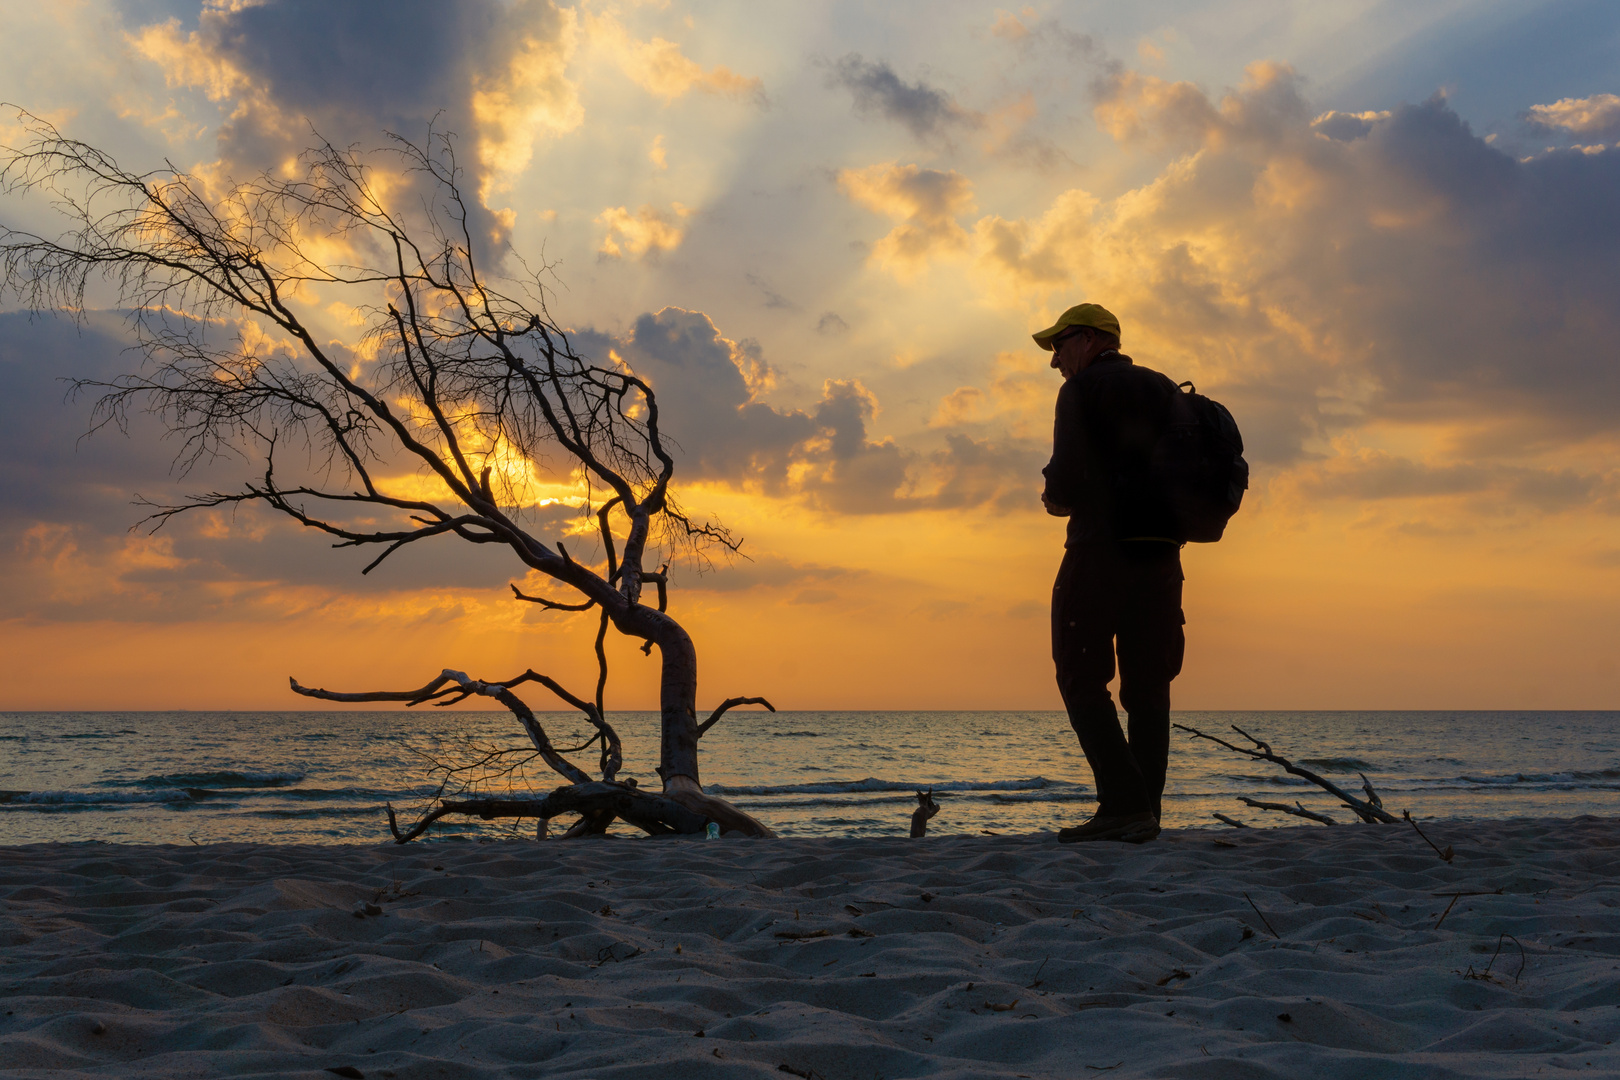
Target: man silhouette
pixel 1119 586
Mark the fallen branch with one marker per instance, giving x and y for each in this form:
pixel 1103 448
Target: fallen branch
pixel 1446 855
pixel 1234 822
pixel 1297 810
pixel 926 808
pixel 1365 810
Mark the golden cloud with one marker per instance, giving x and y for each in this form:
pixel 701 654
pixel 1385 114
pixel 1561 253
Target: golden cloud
pixel 530 95
pixel 659 66
pixel 926 202
pixel 644 234
pixel 1595 115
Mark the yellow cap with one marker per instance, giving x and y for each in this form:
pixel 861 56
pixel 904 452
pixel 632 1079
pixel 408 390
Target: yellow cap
pixel 1094 315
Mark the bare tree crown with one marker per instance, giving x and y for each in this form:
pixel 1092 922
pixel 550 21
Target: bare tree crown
pixel 457 371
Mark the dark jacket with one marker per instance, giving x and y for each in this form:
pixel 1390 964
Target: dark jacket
pixel 1109 418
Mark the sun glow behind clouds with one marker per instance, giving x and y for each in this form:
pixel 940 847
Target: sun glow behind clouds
pixel 825 235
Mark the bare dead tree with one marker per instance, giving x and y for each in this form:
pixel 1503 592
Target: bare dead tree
pixel 1370 810
pixel 471 384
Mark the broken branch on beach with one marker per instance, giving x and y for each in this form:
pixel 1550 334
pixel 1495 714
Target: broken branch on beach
pixel 1369 810
pixel 1283 808
pixel 598 802
pixel 926 808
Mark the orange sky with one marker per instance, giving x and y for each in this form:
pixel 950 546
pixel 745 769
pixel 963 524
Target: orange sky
pixel 1394 261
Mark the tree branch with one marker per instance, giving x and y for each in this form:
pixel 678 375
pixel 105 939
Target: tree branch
pixel 1365 810
pixel 1297 810
pixel 728 704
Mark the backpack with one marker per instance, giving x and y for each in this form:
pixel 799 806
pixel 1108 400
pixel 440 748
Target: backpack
pixel 1198 466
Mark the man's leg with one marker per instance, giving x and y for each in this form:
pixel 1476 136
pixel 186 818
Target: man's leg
pixel 1151 646
pixel 1083 619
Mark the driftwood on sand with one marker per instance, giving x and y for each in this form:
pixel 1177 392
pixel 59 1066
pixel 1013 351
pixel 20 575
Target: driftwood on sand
pixel 598 802
pixel 926 808
pixel 1371 809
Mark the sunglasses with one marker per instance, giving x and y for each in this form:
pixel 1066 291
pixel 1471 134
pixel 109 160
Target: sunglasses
pixel 1057 342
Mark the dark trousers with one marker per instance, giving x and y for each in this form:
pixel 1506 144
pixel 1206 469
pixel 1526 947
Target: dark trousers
pixel 1124 596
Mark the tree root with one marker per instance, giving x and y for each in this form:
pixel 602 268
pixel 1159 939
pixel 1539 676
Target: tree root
pixel 684 790
pixel 597 801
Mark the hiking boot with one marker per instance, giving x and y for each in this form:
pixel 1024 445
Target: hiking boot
pixel 1129 828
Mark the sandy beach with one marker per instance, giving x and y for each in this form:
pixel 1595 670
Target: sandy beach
pixel 1315 952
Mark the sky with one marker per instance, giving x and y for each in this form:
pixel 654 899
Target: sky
pixel 1385 234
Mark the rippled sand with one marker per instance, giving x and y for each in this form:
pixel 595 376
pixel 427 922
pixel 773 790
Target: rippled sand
pixel 1309 952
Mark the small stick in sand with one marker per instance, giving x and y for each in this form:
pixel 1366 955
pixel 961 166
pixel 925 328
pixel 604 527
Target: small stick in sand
pixel 1234 822
pixel 1446 855
pixel 1455 896
pixel 926 808
pixel 1263 918
pixel 1523 959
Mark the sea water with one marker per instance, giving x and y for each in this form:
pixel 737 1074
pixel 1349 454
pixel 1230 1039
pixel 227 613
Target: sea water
pixel 325 777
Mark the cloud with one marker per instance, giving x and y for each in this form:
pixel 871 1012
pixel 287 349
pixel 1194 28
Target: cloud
pixel 1597 116
pixel 1344 126
pixel 927 203
pixel 710 392
pixel 925 111
pixel 1137 108
pixel 1027 33
pixel 69 545
pixel 645 234
pixel 773 299
pixel 1321 272
pixel 494 73
pixel 831 323
pixel 660 67
pixel 846 471
pixel 1494 489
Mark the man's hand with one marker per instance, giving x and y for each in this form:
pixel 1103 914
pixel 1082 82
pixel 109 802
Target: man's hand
pixel 1053 508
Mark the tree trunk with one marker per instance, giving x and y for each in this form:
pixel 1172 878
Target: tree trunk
pixel 677 701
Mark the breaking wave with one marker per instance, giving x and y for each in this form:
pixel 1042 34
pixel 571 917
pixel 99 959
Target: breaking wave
pixel 223 778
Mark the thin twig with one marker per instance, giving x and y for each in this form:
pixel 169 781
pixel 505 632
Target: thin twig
pixel 1263 918
pixel 1446 855
pixel 1455 896
pixel 1234 822
pixel 1523 958
pixel 1297 810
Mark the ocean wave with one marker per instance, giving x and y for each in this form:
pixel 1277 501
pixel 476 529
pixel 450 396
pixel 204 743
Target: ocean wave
pixel 872 784
pixel 1338 764
pixel 92 798
pixel 222 778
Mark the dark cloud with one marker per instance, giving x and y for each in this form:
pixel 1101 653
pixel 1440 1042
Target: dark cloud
pixel 1390 265
pixel 831 323
pixel 71 543
pixel 706 405
pixel 708 389
pixel 283 69
pixel 925 111
pixel 773 299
